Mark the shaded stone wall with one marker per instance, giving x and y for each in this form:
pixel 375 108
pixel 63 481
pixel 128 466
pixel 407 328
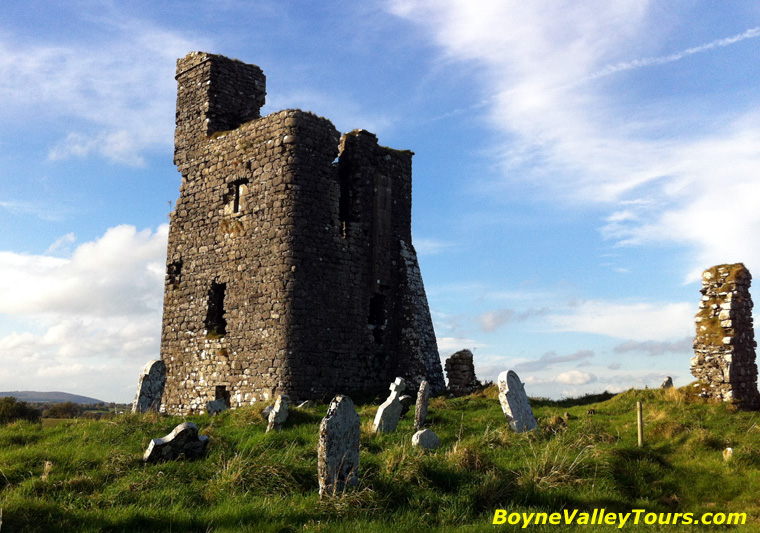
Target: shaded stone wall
pixel 724 347
pixel 288 272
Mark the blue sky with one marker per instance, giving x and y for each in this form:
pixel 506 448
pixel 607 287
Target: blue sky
pixel 578 164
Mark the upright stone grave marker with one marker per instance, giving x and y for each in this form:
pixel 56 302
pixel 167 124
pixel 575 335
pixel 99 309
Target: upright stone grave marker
pixel 150 388
pixel 421 408
pixel 338 452
pixel 279 413
pixel 214 407
pixel 514 402
pixel 389 412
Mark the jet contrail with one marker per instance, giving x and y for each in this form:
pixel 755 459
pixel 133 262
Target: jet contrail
pixel 661 60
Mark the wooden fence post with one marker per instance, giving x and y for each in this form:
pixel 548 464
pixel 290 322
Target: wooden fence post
pixel 640 421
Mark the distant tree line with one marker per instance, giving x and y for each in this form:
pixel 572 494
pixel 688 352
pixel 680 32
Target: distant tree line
pixel 12 409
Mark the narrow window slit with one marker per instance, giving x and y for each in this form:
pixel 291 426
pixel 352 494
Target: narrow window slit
pixel 216 325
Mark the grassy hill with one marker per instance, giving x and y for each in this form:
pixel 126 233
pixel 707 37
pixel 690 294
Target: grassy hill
pixel 50 397
pixel 252 481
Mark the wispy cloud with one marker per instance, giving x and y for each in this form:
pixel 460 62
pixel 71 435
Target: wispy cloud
pixel 669 58
pixel 118 98
pixel 549 359
pixel 658 165
pixel 653 348
pixel 640 322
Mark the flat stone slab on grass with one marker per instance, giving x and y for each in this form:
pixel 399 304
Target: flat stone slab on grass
pixel 514 402
pixel 338 451
pixel 183 440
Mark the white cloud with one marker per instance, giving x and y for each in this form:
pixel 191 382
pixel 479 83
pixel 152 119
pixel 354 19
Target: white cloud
pixel 86 323
pixel 492 320
pixel 430 246
pixel 116 275
pixel 62 243
pixel 449 345
pixel 633 321
pixel 575 377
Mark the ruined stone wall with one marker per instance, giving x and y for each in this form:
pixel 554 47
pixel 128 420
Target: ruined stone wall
pixel 287 272
pixel 724 346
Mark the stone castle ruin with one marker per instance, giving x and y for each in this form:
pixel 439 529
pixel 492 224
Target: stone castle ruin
pixel 724 348
pixel 290 265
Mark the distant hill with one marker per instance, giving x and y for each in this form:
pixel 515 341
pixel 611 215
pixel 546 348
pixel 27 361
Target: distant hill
pixel 51 397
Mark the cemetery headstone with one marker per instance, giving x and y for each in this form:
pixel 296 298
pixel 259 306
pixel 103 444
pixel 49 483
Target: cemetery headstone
pixel 183 440
pixel 514 402
pixel 279 413
pixel 389 412
pixel 338 452
pixel 421 407
pixel 150 388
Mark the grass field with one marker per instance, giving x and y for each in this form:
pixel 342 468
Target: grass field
pixel 252 481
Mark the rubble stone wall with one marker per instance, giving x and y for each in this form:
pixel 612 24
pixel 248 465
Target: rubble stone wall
pixel 724 347
pixel 290 268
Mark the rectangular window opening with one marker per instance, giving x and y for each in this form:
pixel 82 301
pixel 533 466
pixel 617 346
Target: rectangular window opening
pixel 216 325
pixel 174 272
pixel 344 204
pixel 376 319
pixel 221 393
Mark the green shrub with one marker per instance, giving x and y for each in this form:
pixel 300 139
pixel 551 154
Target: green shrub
pixel 12 410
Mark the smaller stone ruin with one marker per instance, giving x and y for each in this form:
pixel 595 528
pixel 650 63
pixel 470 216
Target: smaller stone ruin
pixel 724 347
pixel 460 372
pixel 150 388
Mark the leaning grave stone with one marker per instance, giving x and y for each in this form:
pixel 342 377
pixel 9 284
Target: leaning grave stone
pixel 421 407
pixel 389 412
pixel 183 440
pixel 279 413
pixel 460 372
pixel 426 438
pixel 338 451
pixel 216 406
pixel 406 404
pixel 150 388
pixel 514 402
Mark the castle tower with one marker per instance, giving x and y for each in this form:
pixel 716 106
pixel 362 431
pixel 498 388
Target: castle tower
pixel 287 272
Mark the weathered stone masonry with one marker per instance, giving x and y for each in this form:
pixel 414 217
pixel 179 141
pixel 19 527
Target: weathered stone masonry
pixel 288 271
pixel 724 347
